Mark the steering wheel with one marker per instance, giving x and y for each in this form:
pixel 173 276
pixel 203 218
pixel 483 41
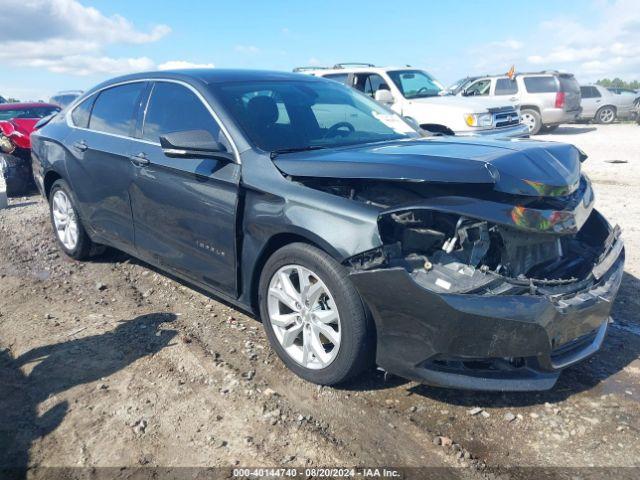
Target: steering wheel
pixel 422 89
pixel 336 130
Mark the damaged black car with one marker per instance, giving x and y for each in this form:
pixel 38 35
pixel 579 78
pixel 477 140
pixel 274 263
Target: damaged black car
pixel 464 263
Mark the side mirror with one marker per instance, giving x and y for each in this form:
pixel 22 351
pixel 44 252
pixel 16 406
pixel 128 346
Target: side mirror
pixel 193 143
pixel 383 96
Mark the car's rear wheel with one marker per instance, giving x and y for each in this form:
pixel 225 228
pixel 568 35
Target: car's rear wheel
pixel 532 120
pixel 606 115
pixel 70 234
pixel 314 316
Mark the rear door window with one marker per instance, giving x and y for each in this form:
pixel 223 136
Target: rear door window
pixel 175 108
pixel 505 86
pixel 80 114
pixel 541 84
pixel 589 92
pixel 114 109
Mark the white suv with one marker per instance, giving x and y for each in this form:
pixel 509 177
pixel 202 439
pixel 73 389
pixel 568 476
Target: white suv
pixel 546 99
pixel 420 98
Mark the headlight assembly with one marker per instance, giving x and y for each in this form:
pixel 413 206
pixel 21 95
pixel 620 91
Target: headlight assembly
pixel 479 119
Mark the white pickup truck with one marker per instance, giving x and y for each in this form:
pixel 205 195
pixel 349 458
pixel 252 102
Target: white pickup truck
pixel 419 97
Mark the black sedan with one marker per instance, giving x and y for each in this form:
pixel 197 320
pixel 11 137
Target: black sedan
pixel 458 262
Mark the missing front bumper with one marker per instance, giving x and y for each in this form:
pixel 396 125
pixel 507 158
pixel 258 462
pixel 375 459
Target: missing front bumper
pixel 436 338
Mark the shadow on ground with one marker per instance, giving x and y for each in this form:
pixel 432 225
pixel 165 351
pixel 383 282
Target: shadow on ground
pixel 58 367
pixel 572 130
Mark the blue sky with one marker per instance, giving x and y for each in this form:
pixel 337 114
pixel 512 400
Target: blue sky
pixel 51 45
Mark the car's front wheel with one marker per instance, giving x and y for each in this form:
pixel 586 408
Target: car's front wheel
pixel 70 234
pixel 314 316
pixel 532 120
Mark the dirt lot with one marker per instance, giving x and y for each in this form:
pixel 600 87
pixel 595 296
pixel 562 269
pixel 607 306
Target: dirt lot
pixel 109 363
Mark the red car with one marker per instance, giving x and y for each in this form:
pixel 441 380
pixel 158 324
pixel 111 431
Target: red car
pixel 17 121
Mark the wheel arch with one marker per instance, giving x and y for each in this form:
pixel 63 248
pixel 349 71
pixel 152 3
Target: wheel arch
pixel 530 107
pixel 275 243
pixel 49 179
pixel 437 128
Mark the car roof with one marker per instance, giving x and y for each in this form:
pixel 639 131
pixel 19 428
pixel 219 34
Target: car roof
pixel 209 76
pixel 326 71
pixel 25 105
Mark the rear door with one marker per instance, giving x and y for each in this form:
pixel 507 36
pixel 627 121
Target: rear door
pixel 507 88
pixel 185 209
pixel 591 100
pixel 99 168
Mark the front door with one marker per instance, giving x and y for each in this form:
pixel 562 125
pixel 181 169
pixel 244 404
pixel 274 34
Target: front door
pixel 99 168
pixel 184 209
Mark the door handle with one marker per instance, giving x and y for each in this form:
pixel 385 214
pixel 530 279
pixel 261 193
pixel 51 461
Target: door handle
pixel 80 146
pixel 513 99
pixel 139 160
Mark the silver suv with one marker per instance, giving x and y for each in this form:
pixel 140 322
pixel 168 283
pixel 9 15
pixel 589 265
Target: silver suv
pixel 546 99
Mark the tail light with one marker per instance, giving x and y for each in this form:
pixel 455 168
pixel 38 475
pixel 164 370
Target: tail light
pixel 560 98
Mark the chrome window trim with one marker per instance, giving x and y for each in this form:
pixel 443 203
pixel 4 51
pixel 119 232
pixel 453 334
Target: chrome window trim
pixel 215 116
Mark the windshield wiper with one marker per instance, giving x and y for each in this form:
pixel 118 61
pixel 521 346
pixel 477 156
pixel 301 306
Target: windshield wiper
pixel 275 153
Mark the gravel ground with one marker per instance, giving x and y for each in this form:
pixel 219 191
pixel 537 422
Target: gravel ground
pixel 110 363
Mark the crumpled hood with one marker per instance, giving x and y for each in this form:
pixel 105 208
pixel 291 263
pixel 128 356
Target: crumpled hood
pixel 520 167
pixel 19 129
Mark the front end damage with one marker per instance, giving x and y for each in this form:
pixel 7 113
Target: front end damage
pixel 472 288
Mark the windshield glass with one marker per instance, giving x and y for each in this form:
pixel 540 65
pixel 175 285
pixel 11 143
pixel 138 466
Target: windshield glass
pixel 298 115
pixel 416 83
pixel 31 112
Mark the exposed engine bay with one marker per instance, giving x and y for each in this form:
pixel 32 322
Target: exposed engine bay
pixel 455 253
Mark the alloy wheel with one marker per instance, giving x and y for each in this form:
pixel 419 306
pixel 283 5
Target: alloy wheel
pixel 65 220
pixel 606 115
pixel 304 316
pixel 529 121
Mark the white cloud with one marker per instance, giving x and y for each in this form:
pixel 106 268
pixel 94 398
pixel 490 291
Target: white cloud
pixel 180 64
pixel 610 47
pixel 64 36
pixel 249 49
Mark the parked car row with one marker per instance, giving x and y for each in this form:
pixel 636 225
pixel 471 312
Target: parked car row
pixel 17 122
pixel 547 99
pixel 420 98
pixel 357 238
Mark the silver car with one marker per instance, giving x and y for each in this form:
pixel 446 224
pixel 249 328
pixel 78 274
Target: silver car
pixel 546 99
pixel 603 106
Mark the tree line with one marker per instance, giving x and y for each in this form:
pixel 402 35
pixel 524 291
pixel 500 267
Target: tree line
pixel 619 83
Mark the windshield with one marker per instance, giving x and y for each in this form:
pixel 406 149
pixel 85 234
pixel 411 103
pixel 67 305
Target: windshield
pixel 416 83
pixel 299 115
pixel 31 112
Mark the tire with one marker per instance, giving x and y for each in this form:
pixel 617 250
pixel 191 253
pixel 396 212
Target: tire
pixel 606 115
pixel 531 118
pixel 353 328
pixel 76 245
